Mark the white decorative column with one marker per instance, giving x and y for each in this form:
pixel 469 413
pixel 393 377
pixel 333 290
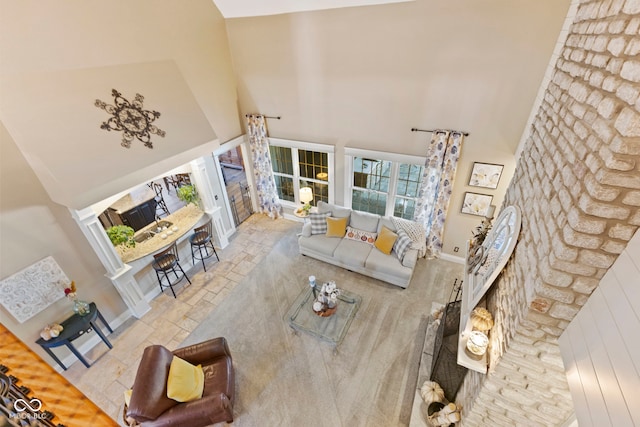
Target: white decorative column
pixel 202 171
pixel 118 272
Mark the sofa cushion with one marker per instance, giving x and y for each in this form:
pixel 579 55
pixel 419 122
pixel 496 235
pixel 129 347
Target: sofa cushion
pixel 351 252
pixel 364 221
pixel 386 239
pixel 185 382
pixel 318 222
pixel 402 244
pixel 335 210
pixel 320 244
pixel 336 227
pixel 360 235
pixel 386 264
pixel 385 221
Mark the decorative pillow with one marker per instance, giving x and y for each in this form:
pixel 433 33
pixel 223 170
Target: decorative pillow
pixel 402 244
pixel 361 235
pixel 185 382
pixel 385 240
pixel 336 226
pixel 318 222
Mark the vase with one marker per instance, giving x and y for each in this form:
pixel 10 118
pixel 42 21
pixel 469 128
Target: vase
pixel 81 307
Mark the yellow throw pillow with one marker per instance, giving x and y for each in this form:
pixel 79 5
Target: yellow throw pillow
pixel 336 227
pixel 185 382
pixel 385 240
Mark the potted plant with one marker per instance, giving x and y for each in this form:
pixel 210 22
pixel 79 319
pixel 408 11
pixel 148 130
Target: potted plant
pixel 121 235
pixel 188 194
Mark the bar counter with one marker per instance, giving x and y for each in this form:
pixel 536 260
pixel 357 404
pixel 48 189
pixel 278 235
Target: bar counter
pixel 185 219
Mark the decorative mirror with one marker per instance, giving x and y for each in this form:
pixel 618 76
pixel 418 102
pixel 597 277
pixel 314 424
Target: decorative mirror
pixel 483 265
pixel 485 262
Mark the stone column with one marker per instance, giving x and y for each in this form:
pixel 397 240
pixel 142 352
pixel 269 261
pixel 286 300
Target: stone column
pixel 118 272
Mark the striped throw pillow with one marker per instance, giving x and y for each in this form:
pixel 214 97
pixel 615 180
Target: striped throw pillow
pixel 318 222
pixel 402 243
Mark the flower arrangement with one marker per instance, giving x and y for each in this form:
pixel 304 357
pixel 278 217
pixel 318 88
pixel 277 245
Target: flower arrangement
pixel 70 291
pixel 327 297
pixel 481 232
pixel 80 307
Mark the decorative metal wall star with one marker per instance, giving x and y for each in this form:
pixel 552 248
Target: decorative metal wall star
pixel 131 119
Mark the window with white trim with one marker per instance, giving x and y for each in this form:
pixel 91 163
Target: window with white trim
pixel 298 164
pixel 383 183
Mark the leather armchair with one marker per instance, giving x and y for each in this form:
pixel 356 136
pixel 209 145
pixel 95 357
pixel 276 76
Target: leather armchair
pixel 149 405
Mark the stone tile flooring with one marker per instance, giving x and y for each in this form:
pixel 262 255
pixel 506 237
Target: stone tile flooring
pixel 171 320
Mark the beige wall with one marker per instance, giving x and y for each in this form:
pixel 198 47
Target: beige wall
pixel 42 37
pixel 363 77
pixel 71 53
pixel 33 227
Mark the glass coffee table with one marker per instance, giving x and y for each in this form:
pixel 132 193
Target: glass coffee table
pixel 332 329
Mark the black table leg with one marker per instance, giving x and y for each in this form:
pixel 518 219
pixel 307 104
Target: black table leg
pixel 100 334
pixel 104 322
pixel 58 361
pixel 78 355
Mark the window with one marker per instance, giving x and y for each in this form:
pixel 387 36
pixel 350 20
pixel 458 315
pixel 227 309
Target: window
pixel 301 164
pixel 282 166
pixel 384 183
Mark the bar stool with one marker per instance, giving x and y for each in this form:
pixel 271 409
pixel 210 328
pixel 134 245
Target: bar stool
pixel 166 262
pixel 202 245
pixel 161 206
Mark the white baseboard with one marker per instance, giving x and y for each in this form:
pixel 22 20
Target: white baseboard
pixel 452 258
pixel 93 341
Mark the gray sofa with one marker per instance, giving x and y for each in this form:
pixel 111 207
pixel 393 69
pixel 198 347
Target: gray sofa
pixel 355 255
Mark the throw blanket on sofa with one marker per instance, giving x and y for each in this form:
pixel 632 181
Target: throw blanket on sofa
pixel 416 233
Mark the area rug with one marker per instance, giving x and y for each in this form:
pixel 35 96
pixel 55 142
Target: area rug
pixel 289 379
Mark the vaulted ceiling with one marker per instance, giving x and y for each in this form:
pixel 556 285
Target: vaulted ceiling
pixel 246 8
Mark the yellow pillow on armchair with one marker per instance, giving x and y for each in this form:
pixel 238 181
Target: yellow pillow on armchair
pixel 185 382
pixel 336 227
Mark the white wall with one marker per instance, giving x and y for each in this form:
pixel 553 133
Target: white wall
pixel 363 77
pixel 601 350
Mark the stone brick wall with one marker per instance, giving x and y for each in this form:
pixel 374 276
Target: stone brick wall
pixel 577 185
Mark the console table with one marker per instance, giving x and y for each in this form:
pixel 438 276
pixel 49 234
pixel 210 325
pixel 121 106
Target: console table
pixel 74 327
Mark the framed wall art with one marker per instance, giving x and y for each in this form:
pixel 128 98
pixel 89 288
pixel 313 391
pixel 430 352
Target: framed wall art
pixel 485 175
pixel 32 289
pixel 476 204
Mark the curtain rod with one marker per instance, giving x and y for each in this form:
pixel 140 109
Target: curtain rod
pixel 266 117
pixel 439 130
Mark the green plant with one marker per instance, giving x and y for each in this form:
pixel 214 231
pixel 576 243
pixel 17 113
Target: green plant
pixel 188 194
pixel 121 234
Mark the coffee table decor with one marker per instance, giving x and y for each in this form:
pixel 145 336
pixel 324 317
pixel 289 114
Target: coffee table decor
pixel 326 302
pixel 336 309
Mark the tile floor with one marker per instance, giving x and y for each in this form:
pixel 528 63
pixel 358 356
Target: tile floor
pixel 171 320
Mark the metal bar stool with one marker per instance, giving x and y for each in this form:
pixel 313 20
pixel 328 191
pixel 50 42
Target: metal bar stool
pixel 161 206
pixel 202 244
pixel 166 262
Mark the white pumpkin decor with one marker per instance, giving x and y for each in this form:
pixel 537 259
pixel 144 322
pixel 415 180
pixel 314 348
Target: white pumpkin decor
pixel 431 392
pixel 51 331
pixel 481 319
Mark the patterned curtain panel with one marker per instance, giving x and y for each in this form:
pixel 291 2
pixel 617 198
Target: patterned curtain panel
pixel 268 199
pixel 436 185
